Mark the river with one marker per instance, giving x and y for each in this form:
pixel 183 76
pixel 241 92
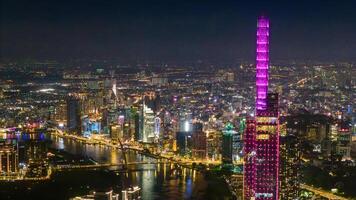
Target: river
pixel 157 181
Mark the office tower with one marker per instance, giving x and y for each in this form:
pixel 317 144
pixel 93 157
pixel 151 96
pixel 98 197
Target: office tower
pixel 36 150
pixel 185 121
pixel 137 121
pixel 262 145
pixel 289 167
pixel 184 142
pixel 148 124
pixel 73 115
pixel 213 144
pixel 227 140
pixel 249 158
pixel 199 141
pixel 237 143
pixel 343 147
pixel 90 126
pixel 157 127
pixel 60 114
pixel 267 150
pixel 116 132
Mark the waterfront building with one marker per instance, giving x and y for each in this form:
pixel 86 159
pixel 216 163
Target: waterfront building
pixel 73 115
pixel 60 116
pixel 148 124
pixel 9 161
pixel 132 193
pixel 116 132
pixel 214 141
pixel 184 143
pixel 199 142
pixel 90 126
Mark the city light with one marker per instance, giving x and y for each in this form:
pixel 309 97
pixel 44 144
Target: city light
pixel 177 100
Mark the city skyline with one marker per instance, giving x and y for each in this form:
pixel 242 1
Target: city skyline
pixel 132 100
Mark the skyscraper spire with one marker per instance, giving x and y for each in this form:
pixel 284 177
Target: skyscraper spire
pixel 262 62
pixel 261 148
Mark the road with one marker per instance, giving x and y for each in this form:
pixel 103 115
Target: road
pixel 322 193
pixel 59 167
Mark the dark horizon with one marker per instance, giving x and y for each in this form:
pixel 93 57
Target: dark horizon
pixel 176 31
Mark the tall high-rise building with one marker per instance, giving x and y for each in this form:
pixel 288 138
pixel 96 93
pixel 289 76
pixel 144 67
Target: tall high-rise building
pixel 262 144
pixel 8 158
pixel 185 121
pixel 199 141
pixel 137 125
pixel 343 147
pixel 74 115
pixel 184 142
pixel 262 62
pixel 237 143
pixel 213 144
pixel 157 127
pixel 227 143
pixel 289 167
pixel 116 132
pixel 148 124
pixel 249 158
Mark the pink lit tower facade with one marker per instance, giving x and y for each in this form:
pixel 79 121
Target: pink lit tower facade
pixel 262 132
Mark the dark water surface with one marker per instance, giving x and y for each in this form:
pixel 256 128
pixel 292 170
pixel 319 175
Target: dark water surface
pixel 157 181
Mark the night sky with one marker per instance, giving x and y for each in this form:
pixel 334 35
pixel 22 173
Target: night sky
pixel 179 31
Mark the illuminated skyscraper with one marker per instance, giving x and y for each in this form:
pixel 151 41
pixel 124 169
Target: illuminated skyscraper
pixel 249 159
pixel 262 133
pixel 199 141
pixel 262 61
pixel 227 143
pixel 157 127
pixel 148 124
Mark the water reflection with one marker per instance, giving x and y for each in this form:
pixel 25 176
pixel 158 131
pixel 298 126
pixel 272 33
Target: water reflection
pixel 158 181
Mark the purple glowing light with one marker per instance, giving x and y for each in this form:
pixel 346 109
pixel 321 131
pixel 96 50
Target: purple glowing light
pixel 261 142
pixel 262 61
